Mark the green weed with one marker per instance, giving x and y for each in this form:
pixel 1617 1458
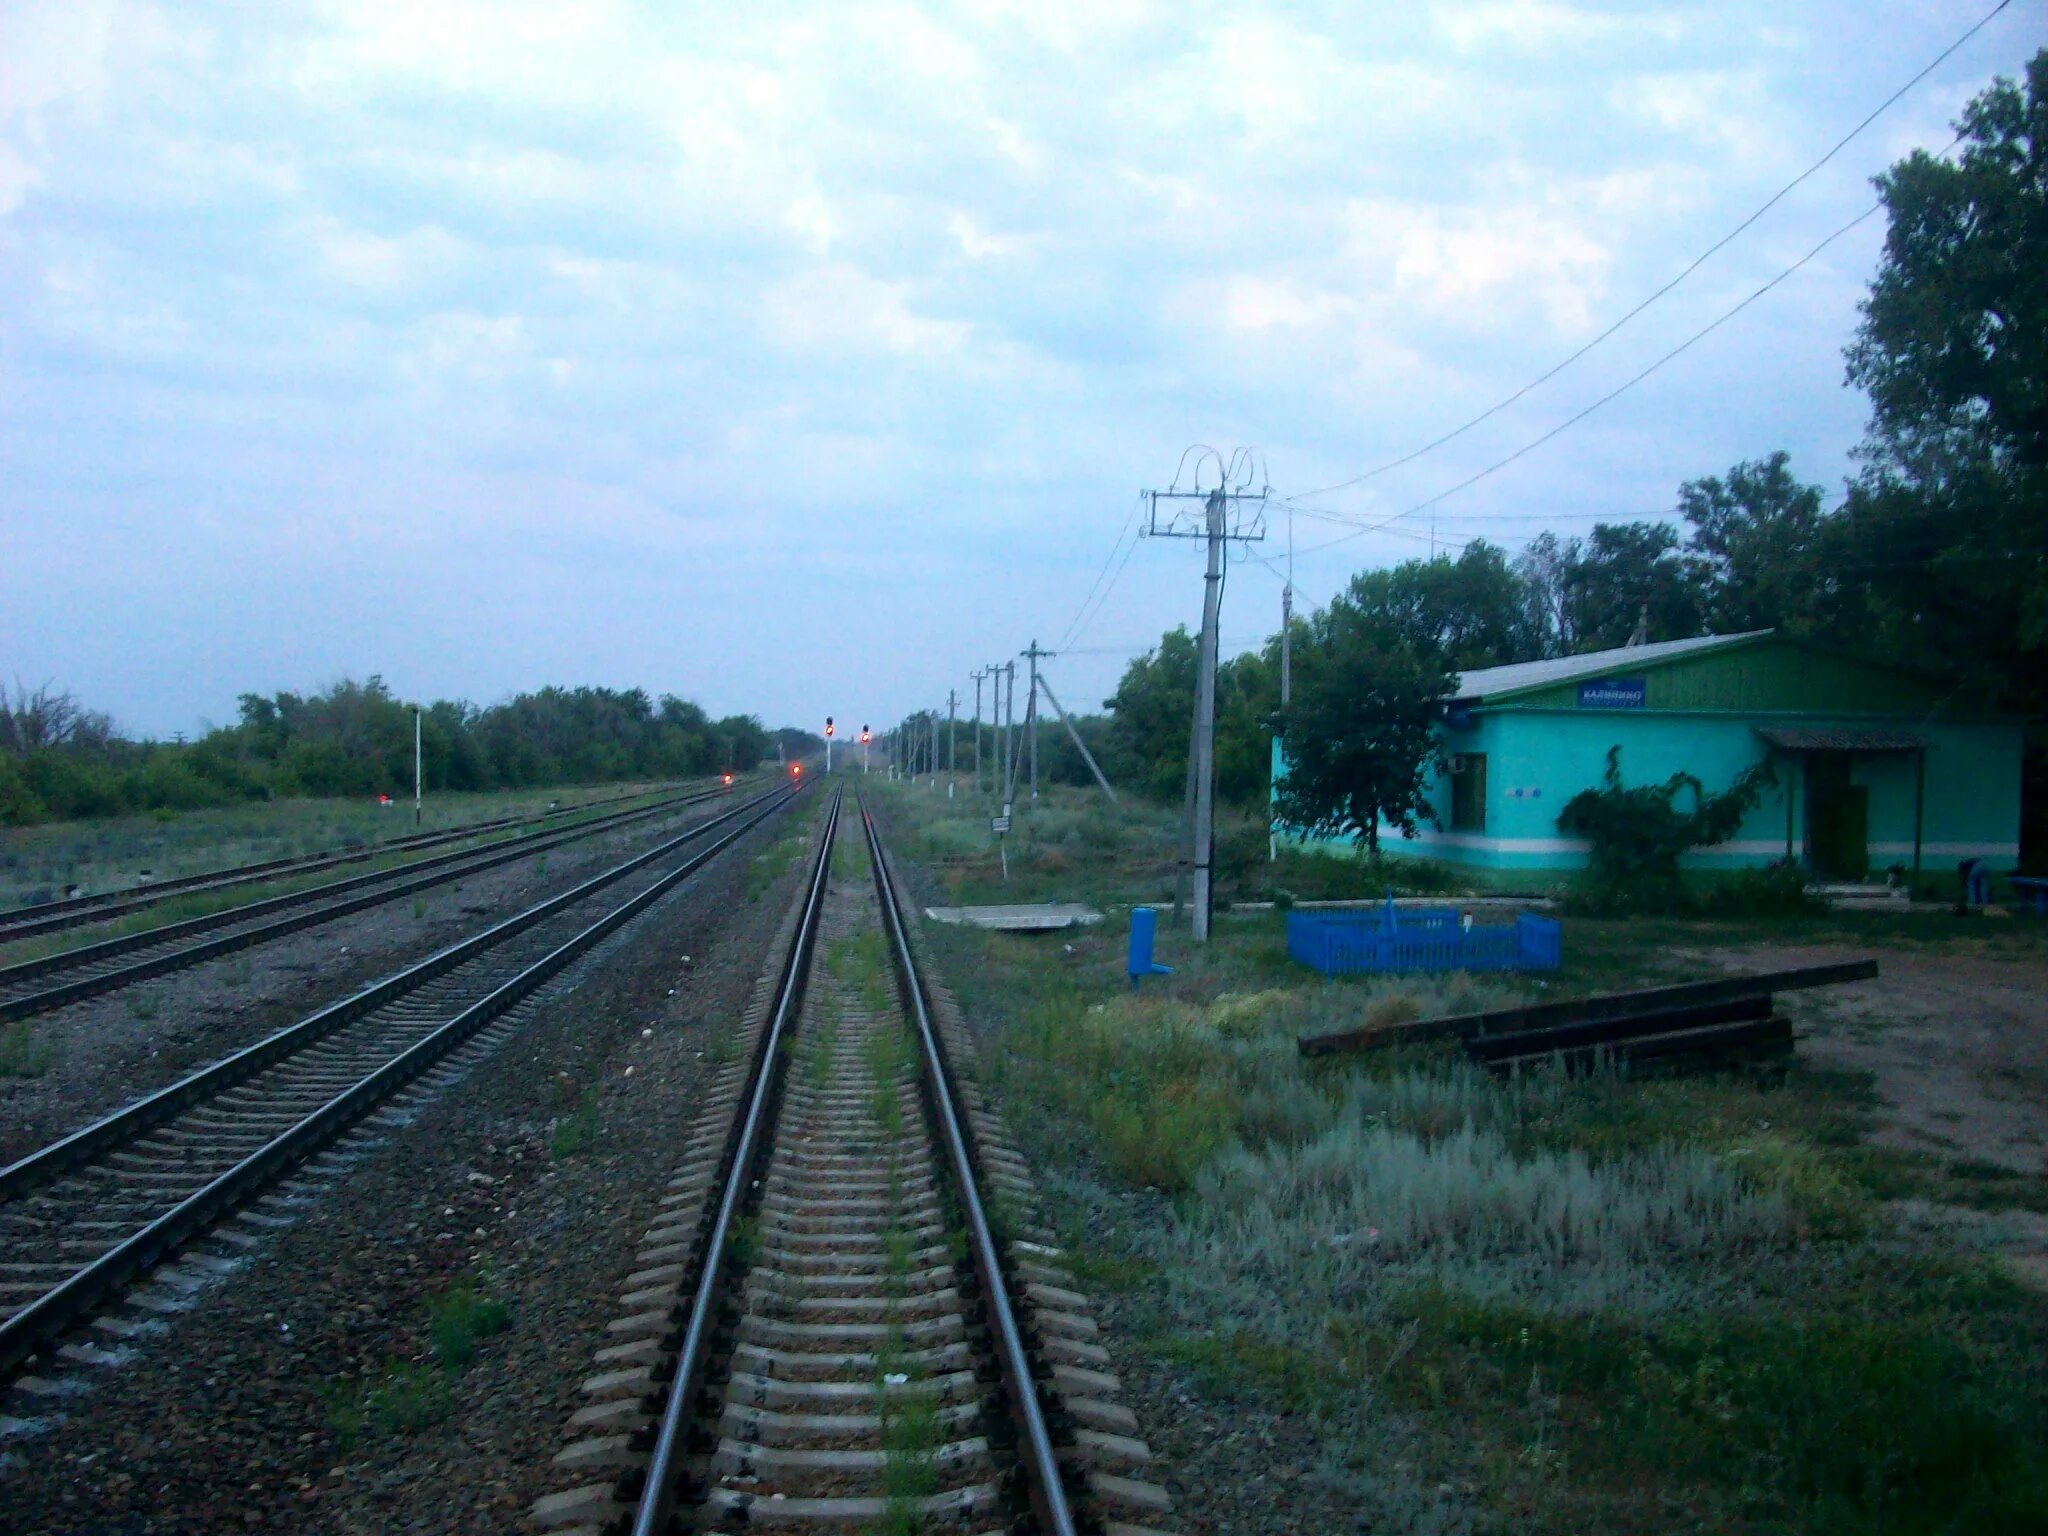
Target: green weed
pixel 21 1053
pixel 575 1131
pixel 459 1317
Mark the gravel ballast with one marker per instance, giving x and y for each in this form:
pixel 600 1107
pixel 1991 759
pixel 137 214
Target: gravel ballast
pixel 106 1051
pixel 528 1180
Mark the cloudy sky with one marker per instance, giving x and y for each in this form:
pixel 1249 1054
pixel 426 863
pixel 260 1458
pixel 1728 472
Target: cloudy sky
pixel 799 358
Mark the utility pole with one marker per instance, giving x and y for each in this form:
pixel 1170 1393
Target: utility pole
pixel 976 675
pixel 1031 714
pixel 1286 669
pixel 416 781
pixel 1223 519
pixel 952 742
pixel 1009 767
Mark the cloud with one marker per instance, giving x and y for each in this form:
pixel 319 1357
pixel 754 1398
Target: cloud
pixel 817 280
pixel 840 311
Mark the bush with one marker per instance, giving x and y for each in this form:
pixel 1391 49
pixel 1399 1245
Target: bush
pixel 1637 836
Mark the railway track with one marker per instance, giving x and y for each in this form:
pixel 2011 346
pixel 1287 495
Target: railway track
pixel 54 981
pixel 102 906
pixel 84 1218
pixel 844 1317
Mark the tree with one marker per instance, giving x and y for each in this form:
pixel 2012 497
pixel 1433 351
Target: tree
pixel 1625 573
pixel 1755 547
pixel 1472 609
pixel 1945 535
pixel 1543 569
pixel 1361 730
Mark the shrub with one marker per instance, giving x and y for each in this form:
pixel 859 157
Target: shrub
pixel 1638 834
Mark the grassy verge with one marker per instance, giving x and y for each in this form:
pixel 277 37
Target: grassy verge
pixel 1569 1304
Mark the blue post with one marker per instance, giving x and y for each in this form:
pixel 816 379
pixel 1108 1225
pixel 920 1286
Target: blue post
pixel 1144 930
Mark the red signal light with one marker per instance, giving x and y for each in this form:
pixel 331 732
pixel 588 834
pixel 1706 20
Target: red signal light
pixel 796 770
pixel 728 779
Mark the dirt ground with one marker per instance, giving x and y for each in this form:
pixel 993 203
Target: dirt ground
pixel 1956 1045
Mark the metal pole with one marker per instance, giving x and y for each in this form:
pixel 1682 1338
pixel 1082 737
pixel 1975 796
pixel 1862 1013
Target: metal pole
pixel 1205 723
pixel 1080 745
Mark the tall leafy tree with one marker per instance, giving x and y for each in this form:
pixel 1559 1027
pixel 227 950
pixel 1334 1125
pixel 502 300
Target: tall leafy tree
pixel 1944 542
pixel 1630 573
pixel 1361 729
pixel 1543 570
pixel 1472 609
pixel 1755 546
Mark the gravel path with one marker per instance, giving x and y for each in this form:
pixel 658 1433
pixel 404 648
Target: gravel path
pixel 230 1422
pixel 107 1051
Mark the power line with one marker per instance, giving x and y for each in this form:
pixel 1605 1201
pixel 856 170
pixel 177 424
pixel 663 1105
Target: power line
pixel 1691 267
pixel 1073 623
pixel 1620 389
pixel 1081 628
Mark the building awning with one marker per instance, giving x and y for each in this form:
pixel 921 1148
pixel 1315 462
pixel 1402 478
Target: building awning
pixel 1820 739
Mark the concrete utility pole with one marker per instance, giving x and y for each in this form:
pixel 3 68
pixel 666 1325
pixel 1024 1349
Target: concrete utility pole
pixel 976 675
pixel 1286 668
pixel 1079 745
pixel 952 742
pixel 1031 714
pixel 1009 768
pixel 1222 520
pixel 416 779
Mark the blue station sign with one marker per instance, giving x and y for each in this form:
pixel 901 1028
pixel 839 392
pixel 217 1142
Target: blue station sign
pixel 1613 693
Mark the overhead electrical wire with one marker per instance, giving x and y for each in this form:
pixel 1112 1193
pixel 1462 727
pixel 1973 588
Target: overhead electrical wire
pixel 1074 623
pixel 1691 267
pixel 1620 389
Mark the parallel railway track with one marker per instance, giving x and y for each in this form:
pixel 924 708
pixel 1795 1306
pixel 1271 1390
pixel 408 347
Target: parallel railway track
pixel 54 981
pixel 101 906
pixel 84 1218
pixel 843 1317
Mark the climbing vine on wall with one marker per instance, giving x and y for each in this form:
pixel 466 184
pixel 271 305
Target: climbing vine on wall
pixel 1638 833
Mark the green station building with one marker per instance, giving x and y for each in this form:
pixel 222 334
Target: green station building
pixel 1875 768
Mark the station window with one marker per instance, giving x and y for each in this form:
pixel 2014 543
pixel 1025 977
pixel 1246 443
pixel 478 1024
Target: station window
pixel 1468 792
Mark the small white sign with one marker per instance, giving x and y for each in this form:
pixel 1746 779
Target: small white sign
pixel 999 824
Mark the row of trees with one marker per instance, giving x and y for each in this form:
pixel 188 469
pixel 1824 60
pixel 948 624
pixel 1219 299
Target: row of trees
pixel 1935 558
pixel 59 759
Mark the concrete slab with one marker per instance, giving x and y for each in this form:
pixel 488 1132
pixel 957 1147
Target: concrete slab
pixel 1038 917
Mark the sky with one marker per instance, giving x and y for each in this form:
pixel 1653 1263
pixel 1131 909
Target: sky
pixel 800 359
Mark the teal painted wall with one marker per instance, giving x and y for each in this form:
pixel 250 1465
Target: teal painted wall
pixel 1538 759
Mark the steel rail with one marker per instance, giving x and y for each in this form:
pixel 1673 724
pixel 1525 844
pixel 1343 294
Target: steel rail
pixel 372 889
pixel 133 1120
pixel 35 1325
pixel 101 906
pixel 1046 1486
pixel 657 1499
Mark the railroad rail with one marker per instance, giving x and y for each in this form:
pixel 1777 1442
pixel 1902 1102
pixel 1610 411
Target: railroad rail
pixel 844 1315
pixel 53 981
pixel 83 1218
pixel 102 906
